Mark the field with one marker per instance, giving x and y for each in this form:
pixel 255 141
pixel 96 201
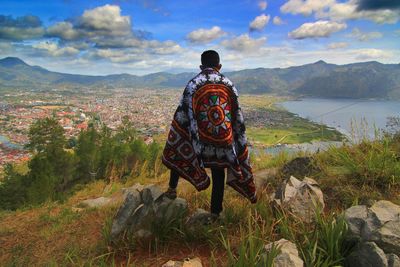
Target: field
pixel 268 124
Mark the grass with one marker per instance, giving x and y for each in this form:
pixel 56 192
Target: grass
pixel 361 173
pixel 304 132
pixel 261 101
pixel 269 124
pixel 349 175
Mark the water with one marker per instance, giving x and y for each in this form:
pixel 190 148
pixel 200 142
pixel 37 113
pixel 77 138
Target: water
pixel 339 113
pixel 4 141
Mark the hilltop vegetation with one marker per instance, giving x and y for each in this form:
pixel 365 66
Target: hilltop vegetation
pixel 352 174
pixel 58 165
pixel 320 79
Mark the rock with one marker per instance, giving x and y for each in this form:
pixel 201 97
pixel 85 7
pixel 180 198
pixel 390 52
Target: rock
pixel 151 193
pixel 301 197
pixel 199 217
pixel 95 202
pixel 136 187
pixel 288 256
pixel 385 211
pixel 125 211
pixel 388 237
pixel 393 260
pixel 368 254
pixel 379 224
pixel 171 263
pixel 196 262
pixel 169 209
pixel 356 217
pixel 141 218
pixel 142 211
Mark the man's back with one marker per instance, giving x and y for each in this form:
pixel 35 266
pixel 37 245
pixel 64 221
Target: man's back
pixel 214 107
pixel 208 132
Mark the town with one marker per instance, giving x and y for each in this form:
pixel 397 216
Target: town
pixel 150 111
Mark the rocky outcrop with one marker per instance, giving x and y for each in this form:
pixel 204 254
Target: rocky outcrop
pixel 300 197
pixel 377 229
pixel 288 255
pixel 142 210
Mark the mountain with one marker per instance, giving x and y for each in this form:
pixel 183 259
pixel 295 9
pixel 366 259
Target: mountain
pixel 319 79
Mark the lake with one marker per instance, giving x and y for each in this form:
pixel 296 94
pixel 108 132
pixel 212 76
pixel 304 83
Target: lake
pixel 340 113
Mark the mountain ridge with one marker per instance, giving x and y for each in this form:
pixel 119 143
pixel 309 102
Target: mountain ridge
pixel 370 79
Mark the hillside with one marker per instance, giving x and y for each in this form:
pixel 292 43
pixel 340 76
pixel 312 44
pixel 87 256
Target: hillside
pixel 319 79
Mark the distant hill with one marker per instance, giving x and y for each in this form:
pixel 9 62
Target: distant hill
pixel 319 79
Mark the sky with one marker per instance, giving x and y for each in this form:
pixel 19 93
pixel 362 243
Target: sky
pixel 145 36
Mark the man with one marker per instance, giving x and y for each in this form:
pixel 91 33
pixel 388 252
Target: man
pixel 208 131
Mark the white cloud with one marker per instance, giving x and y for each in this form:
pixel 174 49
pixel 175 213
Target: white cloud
pixel 19 34
pixel 52 49
pixel 100 24
pixel 164 48
pixel 339 11
pixel 107 20
pixel 277 21
pixel 348 10
pixel 372 54
pixel 205 35
pixel 20 28
pixel 305 7
pixel 244 43
pixel 259 22
pixel 338 45
pixel 106 28
pixel 320 28
pixel 262 5
pixel 365 36
pixel 65 30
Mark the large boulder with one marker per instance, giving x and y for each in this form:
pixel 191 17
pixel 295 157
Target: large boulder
pixel 375 227
pixel 301 197
pixel 380 223
pixel 143 210
pixel 288 255
pixel 132 201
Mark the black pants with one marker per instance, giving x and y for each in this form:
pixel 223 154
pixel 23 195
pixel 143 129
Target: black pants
pixel 218 186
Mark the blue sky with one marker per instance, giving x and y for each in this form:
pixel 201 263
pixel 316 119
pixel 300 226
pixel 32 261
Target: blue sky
pixel 145 36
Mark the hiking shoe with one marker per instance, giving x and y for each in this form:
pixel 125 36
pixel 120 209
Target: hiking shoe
pixel 170 193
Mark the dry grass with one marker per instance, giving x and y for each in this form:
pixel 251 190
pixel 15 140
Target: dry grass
pixel 45 234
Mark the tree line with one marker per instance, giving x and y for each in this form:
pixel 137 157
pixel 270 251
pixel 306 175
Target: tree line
pixel 58 164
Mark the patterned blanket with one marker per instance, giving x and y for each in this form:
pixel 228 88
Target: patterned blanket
pixel 208 131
